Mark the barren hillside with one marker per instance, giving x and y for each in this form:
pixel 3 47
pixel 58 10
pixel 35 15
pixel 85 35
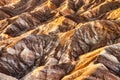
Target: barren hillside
pixel 59 39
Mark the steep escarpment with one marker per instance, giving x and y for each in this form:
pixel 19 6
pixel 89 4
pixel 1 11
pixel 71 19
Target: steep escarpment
pixel 60 40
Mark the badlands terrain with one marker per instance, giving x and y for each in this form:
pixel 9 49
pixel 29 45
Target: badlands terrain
pixel 59 39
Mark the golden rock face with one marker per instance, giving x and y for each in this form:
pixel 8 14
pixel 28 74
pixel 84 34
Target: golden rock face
pixel 60 39
pixel 7 2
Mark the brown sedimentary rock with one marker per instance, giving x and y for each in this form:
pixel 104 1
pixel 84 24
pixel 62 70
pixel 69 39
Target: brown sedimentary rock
pixel 60 39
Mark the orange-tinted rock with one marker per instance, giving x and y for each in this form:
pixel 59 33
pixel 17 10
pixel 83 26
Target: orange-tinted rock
pixel 60 39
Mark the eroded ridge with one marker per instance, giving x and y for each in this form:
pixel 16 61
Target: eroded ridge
pixel 60 39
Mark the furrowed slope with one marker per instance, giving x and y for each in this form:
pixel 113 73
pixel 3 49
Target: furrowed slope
pixel 60 39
